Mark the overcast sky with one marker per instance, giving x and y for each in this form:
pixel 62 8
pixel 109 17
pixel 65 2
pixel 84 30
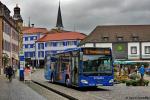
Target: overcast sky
pixel 83 15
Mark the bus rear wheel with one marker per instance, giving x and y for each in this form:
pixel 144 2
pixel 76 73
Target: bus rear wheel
pixel 52 79
pixel 67 82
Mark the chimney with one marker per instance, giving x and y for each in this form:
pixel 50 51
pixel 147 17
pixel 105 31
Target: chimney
pixel 32 25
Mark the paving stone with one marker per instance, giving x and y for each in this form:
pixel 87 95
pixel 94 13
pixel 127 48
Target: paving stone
pixel 16 90
pixel 116 92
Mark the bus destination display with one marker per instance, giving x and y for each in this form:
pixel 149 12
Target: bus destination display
pixel 96 51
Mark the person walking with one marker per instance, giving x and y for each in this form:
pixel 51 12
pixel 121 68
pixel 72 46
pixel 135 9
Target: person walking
pixel 14 71
pixel 6 71
pixel 10 73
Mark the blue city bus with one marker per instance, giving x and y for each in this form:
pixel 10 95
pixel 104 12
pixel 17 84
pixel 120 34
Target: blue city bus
pixel 80 67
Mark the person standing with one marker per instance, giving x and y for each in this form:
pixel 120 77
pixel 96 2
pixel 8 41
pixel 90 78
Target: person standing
pixel 10 73
pixel 27 74
pixel 142 71
pixel 136 69
pixel 6 71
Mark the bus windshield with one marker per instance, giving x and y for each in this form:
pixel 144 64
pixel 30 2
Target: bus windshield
pixel 97 64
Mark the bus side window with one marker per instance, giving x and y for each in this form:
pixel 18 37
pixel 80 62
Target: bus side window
pixel 63 66
pixel 67 67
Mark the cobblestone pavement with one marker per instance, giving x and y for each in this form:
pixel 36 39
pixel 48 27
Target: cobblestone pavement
pixel 45 93
pixel 16 91
pixel 39 77
pixel 116 92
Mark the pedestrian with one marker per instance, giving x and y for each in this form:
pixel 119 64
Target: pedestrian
pixel 136 69
pixel 6 71
pixel 142 71
pixel 10 73
pixel 27 74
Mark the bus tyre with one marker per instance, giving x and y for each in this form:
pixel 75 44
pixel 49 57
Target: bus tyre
pixel 52 79
pixel 67 81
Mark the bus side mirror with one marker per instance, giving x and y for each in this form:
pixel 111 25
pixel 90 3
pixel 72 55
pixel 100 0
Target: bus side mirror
pixel 81 55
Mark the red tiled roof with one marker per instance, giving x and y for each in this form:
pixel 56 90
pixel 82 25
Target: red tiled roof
pixel 35 30
pixel 62 36
pixel 25 28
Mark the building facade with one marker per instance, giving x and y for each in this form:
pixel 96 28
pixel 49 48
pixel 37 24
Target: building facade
pixel 55 43
pixel 31 35
pixel 9 37
pixel 128 42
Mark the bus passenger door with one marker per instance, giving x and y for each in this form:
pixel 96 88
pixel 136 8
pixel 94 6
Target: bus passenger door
pixel 74 70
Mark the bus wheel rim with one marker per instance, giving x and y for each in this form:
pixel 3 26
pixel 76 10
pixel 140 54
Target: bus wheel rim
pixel 52 79
pixel 67 82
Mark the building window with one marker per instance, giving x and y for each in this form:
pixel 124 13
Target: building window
pixel 26 45
pixel 54 44
pixel 45 44
pixel 70 43
pixel 41 54
pixel 7 45
pixel 75 43
pixel 49 44
pixel 26 38
pixel 7 29
pixel 60 44
pixel 34 37
pixel 41 46
pixel 31 45
pixel 105 38
pixel 31 38
pixel 134 50
pixel 64 43
pixel 32 54
pixel 147 49
pixel 27 54
pixel 119 38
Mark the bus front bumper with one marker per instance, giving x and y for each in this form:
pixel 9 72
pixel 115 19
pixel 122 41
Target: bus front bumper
pixel 96 81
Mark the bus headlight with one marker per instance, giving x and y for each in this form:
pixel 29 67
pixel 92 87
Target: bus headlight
pixel 111 81
pixel 84 81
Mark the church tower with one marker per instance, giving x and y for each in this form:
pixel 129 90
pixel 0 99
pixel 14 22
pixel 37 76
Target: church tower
pixel 59 23
pixel 19 21
pixel 17 16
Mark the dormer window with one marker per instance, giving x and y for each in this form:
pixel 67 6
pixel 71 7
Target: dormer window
pixel 135 38
pixel 105 38
pixel 120 38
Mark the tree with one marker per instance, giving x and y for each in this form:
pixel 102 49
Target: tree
pixel 5 59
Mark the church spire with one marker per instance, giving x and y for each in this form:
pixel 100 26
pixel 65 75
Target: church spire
pixel 29 22
pixel 59 23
